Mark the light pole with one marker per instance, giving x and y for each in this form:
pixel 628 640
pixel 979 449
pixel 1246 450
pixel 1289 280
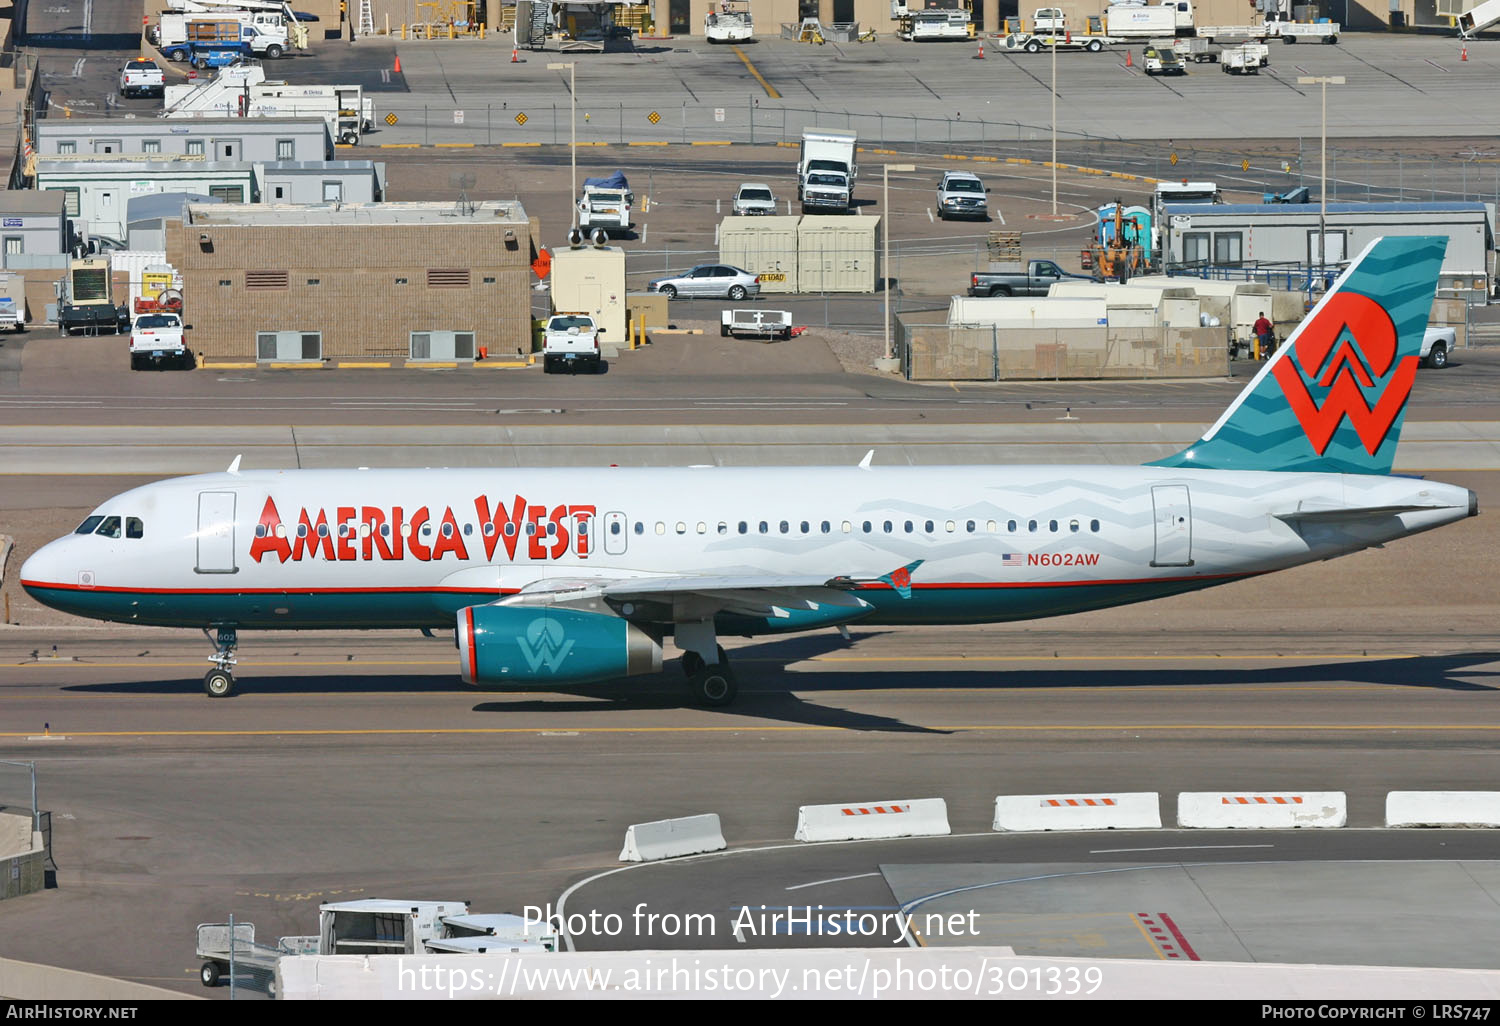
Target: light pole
pixel 1054 120
pixel 1325 81
pixel 572 134
pixel 885 206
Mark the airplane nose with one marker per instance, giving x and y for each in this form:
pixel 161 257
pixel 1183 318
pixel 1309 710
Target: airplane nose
pixel 41 569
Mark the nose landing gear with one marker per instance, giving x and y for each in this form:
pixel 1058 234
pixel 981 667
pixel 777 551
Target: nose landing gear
pixel 219 682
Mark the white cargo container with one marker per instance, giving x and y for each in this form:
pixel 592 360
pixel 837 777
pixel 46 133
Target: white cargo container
pixel 1236 304
pixel 1133 21
pixel 1174 306
pixel 837 254
pixel 764 246
pixel 591 280
pixel 1029 312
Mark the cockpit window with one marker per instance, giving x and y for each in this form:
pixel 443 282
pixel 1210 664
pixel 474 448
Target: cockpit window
pixel 110 528
pixel 134 528
pixel 87 527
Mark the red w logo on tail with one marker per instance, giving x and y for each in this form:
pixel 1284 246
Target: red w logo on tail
pixel 1350 342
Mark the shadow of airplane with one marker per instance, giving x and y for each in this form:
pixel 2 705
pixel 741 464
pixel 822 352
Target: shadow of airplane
pixel 772 692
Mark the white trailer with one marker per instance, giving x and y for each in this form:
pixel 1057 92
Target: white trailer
pixel 1030 311
pixel 1037 43
pixel 759 323
pixel 1481 17
pixel 1134 21
pixel 1244 59
pixel 1304 31
pixel 244 91
pixel 1231 34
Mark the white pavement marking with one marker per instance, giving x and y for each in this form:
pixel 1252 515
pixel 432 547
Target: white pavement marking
pixel 836 879
pixel 78 67
pixel 1180 847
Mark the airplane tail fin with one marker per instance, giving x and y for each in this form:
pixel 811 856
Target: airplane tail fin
pixel 1333 397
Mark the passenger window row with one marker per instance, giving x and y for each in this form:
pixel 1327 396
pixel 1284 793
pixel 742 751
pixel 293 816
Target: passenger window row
pixel 1073 525
pixel 113 527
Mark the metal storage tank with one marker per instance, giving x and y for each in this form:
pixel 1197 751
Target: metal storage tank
pixel 591 280
pixel 837 254
pixel 766 246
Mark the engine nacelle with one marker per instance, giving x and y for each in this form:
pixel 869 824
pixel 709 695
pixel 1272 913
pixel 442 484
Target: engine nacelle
pixel 546 644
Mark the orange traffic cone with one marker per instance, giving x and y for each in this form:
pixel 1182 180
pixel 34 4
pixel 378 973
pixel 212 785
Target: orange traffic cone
pixel 397 69
pixel 980 55
pixel 1463 54
pixel 1128 62
pixel 1069 38
pixel 515 55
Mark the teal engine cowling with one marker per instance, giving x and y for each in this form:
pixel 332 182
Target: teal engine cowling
pixel 548 645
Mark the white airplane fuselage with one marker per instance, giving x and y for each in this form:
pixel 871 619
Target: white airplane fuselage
pixel 411 548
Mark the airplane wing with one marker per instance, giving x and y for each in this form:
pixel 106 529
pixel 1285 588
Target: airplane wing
pixel 779 596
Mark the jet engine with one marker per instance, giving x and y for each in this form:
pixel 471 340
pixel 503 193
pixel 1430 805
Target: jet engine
pixel 545 644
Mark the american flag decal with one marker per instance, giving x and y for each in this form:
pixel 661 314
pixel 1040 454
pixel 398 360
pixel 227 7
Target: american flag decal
pixel 1012 559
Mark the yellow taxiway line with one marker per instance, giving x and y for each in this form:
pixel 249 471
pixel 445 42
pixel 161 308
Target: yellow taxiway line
pixel 770 89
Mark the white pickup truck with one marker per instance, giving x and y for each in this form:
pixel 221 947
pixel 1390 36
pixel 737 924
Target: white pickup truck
pixel 570 341
pixel 156 341
pixel 1437 344
pixel 142 78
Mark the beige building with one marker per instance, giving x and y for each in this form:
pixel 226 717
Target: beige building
pixel 685 17
pixel 390 281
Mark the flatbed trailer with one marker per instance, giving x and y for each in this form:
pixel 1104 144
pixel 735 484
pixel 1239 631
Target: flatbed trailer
pixel 1304 31
pixel 760 323
pixel 1036 42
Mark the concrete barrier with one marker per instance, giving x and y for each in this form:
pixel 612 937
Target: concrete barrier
pixel 1276 810
pixel 670 838
pixel 1442 809
pixel 1140 810
pixel 915 817
pixel 28 981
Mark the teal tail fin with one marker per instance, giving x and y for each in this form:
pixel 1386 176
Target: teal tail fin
pixel 1333 398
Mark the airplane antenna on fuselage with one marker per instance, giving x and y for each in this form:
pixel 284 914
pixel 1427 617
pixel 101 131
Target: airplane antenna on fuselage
pixel 234 468
pixel 864 464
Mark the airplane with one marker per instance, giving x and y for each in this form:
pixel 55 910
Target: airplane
pixel 569 576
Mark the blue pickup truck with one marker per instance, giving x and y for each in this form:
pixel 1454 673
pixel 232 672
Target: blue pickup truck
pixel 216 54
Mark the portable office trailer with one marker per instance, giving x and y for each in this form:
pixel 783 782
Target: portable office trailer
pixel 1267 237
pixel 591 280
pixel 35 223
pixel 1029 312
pixel 222 138
pixel 837 254
pixel 96 191
pixel 322 181
pixel 765 246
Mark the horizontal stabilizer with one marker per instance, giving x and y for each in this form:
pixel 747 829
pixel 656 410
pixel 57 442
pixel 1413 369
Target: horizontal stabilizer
pixel 1345 514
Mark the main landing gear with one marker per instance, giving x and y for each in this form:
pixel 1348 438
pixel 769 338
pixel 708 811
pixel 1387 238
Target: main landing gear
pixel 219 682
pixel 711 683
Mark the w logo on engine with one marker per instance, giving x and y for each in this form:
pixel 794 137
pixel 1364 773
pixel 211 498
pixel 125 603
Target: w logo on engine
pixel 1347 348
pixel 545 644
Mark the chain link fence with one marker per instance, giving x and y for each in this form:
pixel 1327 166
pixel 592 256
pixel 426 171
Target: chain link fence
pixel 933 351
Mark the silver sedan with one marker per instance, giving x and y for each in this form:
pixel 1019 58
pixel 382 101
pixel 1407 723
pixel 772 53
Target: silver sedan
pixel 718 280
